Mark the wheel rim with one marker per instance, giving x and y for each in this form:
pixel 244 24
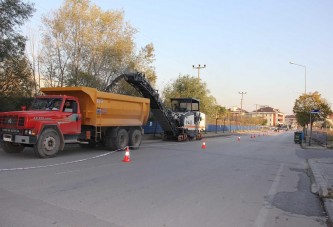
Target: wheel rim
pixel 49 143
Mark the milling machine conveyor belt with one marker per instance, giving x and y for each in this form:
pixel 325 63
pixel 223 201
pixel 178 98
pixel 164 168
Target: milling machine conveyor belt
pixel 161 114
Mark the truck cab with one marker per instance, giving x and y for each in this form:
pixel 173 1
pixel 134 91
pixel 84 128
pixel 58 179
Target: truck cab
pixel 62 110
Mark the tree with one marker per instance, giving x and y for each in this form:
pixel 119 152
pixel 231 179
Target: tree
pixel 85 45
pixel 16 78
pixel 307 103
pixel 220 111
pixel 187 86
pixel 33 52
pixel 13 13
pixel 16 84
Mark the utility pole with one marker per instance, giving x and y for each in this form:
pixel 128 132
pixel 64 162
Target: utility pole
pixel 256 112
pixel 257 109
pixel 241 93
pixel 198 68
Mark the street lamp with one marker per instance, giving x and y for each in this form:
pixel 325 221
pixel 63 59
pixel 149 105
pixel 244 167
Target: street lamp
pixel 198 68
pixel 304 66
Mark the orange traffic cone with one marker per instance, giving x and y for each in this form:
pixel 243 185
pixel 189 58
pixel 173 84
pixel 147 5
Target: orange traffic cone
pixel 203 146
pixel 127 155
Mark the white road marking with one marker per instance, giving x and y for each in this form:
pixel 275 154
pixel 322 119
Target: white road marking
pixel 57 164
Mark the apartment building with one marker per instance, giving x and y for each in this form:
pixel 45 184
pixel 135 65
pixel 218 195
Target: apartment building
pixel 273 116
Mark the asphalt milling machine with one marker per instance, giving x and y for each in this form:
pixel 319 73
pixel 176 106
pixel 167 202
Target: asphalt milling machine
pixel 182 122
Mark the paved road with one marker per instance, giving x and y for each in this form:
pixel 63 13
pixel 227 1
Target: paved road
pixel 251 182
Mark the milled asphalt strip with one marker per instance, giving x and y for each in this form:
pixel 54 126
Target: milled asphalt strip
pixel 261 218
pixel 57 164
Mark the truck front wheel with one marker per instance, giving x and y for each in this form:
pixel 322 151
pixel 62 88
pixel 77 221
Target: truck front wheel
pixel 48 144
pixel 9 147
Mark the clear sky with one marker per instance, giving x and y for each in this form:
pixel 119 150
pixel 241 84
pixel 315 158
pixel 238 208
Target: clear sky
pixel 246 45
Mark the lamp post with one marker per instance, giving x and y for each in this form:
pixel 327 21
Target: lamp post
pixel 304 66
pixel 198 68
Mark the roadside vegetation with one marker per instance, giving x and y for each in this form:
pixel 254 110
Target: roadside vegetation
pixel 16 79
pixel 311 112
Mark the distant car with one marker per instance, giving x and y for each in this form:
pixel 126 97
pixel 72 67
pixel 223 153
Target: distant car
pixel 285 128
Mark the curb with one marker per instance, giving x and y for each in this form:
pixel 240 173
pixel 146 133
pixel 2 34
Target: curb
pixel 328 205
pixel 319 180
pixel 321 188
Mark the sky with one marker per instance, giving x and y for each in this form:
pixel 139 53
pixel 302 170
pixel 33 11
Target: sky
pixel 245 45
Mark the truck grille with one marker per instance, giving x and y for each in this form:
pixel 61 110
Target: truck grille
pixel 11 120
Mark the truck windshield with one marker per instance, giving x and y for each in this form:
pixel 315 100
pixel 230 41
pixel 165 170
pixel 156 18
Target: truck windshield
pixel 46 104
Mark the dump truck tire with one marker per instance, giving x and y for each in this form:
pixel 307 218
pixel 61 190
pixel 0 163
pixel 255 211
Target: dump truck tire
pixel 135 138
pixel 121 141
pixel 9 147
pixel 48 144
pixel 109 139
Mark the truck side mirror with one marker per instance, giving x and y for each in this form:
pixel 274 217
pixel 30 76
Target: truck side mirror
pixel 74 107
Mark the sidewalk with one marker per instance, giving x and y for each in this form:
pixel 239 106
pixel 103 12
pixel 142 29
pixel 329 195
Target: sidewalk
pixel 321 173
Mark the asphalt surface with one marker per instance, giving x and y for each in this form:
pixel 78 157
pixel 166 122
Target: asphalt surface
pixel 235 181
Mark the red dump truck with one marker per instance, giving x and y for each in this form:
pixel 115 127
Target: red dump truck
pixel 75 115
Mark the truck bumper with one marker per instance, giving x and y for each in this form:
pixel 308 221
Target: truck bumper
pixel 18 138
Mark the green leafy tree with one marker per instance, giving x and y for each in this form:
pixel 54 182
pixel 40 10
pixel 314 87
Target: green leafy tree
pixel 187 86
pixel 221 111
pixel 307 103
pixel 13 13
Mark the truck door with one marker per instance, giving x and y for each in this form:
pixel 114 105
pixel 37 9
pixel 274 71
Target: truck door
pixel 71 123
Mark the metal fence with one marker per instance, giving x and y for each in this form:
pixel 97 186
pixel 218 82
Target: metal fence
pixel 153 127
pixel 323 137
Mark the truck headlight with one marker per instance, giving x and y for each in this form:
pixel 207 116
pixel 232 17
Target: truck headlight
pixel 29 132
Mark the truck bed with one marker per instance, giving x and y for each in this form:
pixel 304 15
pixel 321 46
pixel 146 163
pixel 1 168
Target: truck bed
pixel 106 109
